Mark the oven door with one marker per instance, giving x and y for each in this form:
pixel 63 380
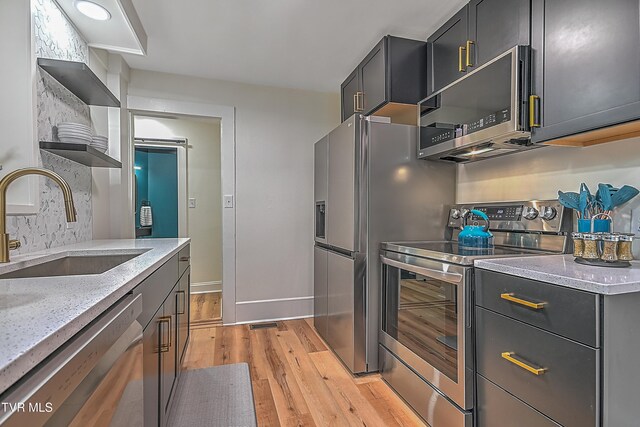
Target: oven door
pixel 426 321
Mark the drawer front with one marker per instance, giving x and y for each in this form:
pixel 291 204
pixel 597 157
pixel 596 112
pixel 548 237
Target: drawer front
pixel 567 389
pixel 496 407
pixel 184 259
pixel 426 401
pixel 155 289
pixel 567 312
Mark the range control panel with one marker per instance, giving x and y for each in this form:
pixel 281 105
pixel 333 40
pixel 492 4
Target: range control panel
pixel 535 216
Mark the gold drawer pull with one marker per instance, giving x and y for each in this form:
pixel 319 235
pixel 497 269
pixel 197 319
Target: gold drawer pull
pixel 508 355
pixel 514 299
pixel 461 68
pixel 468 48
pixel 533 101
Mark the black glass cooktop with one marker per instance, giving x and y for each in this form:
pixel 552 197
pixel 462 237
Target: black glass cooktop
pixel 451 251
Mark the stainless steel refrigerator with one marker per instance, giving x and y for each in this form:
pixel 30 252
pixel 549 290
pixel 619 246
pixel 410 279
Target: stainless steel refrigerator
pixel 369 187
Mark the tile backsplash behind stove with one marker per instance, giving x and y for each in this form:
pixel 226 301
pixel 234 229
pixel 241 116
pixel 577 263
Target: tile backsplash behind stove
pixel 56 38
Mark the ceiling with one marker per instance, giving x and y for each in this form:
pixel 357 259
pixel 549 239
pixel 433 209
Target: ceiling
pixel 303 44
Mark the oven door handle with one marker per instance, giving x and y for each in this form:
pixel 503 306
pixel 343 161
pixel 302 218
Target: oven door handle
pixel 453 278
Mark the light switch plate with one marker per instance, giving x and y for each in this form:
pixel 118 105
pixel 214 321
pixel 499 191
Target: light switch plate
pixel 228 200
pixel 192 202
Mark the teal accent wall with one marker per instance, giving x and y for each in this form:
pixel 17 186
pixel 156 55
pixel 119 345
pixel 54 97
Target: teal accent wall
pixel 158 183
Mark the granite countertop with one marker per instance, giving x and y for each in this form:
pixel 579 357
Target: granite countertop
pixel 40 314
pixel 564 271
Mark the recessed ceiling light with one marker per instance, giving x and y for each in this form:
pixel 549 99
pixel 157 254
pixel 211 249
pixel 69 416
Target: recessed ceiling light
pixel 92 10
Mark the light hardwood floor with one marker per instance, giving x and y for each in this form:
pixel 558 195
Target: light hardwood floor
pixel 206 309
pixel 296 380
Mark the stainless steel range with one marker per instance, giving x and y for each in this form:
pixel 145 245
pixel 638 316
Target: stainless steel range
pixel 426 335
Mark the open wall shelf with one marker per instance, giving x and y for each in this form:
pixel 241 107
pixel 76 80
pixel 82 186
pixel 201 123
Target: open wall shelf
pixel 78 78
pixel 81 153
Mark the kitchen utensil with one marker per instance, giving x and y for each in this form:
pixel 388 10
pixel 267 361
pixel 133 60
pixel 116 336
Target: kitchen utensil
pixel 569 200
pixel 623 195
pixel 475 236
pixel 585 197
pixel 604 196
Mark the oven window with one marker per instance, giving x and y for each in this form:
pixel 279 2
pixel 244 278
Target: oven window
pixel 421 313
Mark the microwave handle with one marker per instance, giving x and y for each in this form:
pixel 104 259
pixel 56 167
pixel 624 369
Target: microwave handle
pixel 453 278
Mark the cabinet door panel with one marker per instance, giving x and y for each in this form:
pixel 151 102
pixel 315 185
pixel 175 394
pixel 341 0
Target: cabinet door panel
pixel 496 26
pixel 443 53
pixel 373 78
pixel 168 373
pixel 348 90
pixel 586 64
pixel 151 369
pixel 182 303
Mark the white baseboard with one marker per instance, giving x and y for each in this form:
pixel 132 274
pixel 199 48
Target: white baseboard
pixel 274 309
pixel 206 287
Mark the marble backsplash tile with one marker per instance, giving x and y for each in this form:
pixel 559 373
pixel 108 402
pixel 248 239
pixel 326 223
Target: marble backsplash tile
pixel 48 228
pixel 56 38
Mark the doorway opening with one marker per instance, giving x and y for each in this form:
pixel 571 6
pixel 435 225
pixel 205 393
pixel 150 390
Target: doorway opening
pixel 177 166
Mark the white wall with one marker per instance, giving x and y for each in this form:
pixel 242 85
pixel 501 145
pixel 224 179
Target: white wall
pixel 204 184
pixel 275 132
pixel 539 174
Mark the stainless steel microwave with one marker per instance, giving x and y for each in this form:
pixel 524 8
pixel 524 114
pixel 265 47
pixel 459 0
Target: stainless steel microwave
pixel 486 113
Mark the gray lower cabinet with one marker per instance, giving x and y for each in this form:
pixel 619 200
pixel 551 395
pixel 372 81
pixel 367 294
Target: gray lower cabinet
pixel 183 295
pixel 168 354
pixel 550 355
pixel 586 63
pixel 165 319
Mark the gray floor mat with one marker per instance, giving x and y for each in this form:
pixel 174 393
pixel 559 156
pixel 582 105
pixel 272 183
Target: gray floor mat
pixel 218 397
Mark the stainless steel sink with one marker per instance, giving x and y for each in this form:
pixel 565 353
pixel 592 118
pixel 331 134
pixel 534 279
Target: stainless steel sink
pixel 72 265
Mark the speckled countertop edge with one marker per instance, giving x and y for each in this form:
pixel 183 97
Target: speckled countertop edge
pixel 562 270
pixel 38 315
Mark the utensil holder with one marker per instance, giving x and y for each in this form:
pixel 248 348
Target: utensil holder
pixel 592 255
pixel 594 225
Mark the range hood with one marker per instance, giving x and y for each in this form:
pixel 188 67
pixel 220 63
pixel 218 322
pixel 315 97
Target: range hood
pixel 482 115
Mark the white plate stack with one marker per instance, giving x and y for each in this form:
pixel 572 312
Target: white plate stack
pixel 74 133
pixel 100 143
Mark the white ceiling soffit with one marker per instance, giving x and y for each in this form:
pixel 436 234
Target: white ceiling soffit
pixel 302 44
pixel 122 33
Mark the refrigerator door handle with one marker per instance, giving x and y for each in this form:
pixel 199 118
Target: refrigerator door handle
pixel 453 278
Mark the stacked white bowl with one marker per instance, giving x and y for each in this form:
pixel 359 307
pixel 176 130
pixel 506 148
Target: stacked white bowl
pixel 100 143
pixel 74 133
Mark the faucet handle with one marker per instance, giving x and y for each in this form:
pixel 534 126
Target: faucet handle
pixel 14 244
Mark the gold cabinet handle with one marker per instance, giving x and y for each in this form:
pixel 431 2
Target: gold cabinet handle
pixel 535 305
pixel 165 347
pixel 357 107
pixel 468 48
pixel 461 50
pixel 533 101
pixel 508 355
pixel 181 296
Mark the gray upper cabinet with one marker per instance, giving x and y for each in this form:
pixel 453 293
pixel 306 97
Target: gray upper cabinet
pixel 496 26
pixel 479 32
pixel 586 65
pixel 446 51
pixel 373 78
pixel 350 92
pixel 395 71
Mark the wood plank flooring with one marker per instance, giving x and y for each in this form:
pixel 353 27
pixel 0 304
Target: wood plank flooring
pixel 206 309
pixel 297 380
